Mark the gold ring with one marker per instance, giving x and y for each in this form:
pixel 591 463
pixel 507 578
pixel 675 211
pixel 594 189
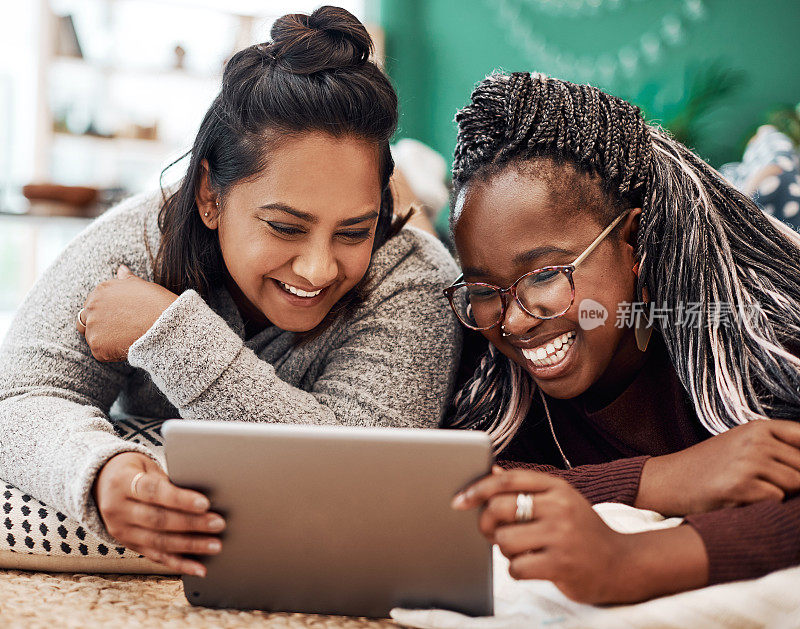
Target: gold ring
pixel 134 483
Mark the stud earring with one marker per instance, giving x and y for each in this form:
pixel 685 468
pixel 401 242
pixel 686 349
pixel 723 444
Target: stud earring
pixel 205 214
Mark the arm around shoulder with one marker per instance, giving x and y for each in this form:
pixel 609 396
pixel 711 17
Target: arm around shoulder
pixel 54 396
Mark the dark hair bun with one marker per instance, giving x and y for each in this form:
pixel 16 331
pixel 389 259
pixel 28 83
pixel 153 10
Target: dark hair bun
pixel 330 38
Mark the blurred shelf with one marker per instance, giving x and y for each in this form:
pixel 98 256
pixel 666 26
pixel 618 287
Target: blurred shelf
pixel 155 72
pixel 111 88
pixel 231 7
pixel 104 89
pixel 156 147
pixel 24 217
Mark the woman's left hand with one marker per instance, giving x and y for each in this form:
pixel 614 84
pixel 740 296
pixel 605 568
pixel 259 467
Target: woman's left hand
pixel 567 543
pixel 119 311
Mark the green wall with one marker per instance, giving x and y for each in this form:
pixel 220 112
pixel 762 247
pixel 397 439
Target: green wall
pixel 438 49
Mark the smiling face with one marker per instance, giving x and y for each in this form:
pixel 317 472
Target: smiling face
pixel 296 238
pixel 516 221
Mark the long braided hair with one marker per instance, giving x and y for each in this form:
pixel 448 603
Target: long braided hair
pixel 700 241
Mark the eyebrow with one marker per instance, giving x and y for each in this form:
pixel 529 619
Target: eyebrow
pixel 359 219
pixel 526 257
pixel 538 252
pixel 306 216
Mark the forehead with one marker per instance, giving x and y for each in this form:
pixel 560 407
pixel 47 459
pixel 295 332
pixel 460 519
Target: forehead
pixel 514 212
pixel 330 177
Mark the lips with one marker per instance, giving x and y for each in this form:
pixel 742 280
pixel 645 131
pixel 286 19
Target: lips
pixel 294 290
pixel 300 297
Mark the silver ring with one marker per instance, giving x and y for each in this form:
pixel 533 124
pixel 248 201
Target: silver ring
pixel 503 332
pixel 81 322
pixel 134 483
pixel 524 512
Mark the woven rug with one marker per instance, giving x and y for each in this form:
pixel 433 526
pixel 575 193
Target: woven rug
pixel 33 600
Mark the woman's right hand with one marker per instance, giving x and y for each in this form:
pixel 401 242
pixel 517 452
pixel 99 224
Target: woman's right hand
pixel 757 461
pixel 161 521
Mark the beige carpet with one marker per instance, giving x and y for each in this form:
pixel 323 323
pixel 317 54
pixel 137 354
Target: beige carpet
pixel 32 600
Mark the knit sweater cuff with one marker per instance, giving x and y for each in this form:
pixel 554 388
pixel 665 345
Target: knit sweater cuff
pixel 615 481
pixel 186 349
pixel 102 446
pixel 751 541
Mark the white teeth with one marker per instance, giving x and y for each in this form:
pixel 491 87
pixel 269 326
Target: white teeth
pixel 552 352
pixel 300 293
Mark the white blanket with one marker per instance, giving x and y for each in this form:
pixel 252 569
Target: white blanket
pixel 771 601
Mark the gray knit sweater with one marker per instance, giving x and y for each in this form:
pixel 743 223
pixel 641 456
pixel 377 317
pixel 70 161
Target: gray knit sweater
pixel 390 363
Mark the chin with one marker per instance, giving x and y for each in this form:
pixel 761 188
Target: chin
pixel 562 390
pixel 569 386
pixel 293 325
pixel 297 319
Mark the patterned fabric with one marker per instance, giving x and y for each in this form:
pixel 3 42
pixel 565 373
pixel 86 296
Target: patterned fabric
pixel 770 173
pixel 30 526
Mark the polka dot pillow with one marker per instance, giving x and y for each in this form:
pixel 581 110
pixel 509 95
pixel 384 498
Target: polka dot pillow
pixel 34 536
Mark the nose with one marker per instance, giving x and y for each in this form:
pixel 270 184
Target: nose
pixel 316 264
pixel 516 321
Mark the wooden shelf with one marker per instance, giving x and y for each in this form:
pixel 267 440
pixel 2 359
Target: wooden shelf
pixel 117 70
pixel 118 142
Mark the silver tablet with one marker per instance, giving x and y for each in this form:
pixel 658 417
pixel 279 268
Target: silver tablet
pixel 336 520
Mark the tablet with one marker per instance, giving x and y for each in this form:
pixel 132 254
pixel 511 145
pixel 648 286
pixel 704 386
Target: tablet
pixel 336 520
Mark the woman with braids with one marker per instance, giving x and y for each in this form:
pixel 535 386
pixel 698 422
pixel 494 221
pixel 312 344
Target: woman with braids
pixel 568 210
pixel 279 290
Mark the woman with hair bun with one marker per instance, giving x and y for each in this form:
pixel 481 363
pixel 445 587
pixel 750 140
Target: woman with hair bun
pixel 273 284
pixel 643 320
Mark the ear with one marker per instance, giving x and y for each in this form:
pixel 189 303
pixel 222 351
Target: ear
pixel 207 199
pixel 629 230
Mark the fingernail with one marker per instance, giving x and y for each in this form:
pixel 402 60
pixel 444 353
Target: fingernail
pixel 214 546
pixel 459 501
pixel 201 503
pixel 216 523
pixel 198 571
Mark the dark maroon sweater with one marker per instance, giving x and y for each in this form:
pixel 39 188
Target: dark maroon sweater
pixel 609 446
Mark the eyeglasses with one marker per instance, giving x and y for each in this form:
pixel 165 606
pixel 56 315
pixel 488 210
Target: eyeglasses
pixel 545 293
